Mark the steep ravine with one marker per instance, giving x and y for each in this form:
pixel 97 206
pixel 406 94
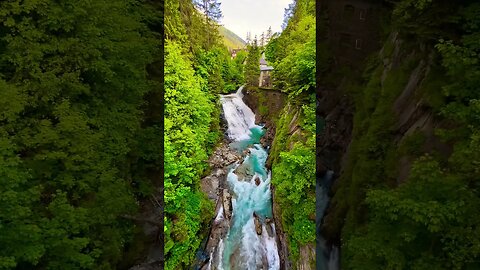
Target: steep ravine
pixel 243 233
pixel 272 107
pixel 393 97
pixel 267 106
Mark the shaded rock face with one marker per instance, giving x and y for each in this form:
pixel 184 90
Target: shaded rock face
pixel 336 110
pixel 282 244
pixel 267 105
pixel 305 262
pixel 149 220
pixel 412 115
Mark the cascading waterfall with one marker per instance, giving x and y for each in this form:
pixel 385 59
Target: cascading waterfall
pixel 245 246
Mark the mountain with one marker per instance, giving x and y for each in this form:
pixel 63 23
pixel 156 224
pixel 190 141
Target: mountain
pixel 231 40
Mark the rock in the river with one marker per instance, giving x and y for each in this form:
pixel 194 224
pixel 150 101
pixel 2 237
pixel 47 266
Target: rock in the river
pixel 268 226
pixel 223 156
pixel 257 181
pixel 243 171
pixel 258 224
pixel 227 204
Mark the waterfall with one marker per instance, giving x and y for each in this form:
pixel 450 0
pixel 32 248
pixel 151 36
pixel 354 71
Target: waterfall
pixel 239 116
pixel 245 246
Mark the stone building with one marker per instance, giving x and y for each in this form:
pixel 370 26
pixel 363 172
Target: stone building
pixel 353 31
pixel 264 80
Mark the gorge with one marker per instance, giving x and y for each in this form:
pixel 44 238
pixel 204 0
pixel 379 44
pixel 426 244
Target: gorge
pixel 244 221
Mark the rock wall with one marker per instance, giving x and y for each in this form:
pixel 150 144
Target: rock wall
pixel 412 117
pixel 267 105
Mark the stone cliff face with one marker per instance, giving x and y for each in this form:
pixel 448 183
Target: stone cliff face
pixel 267 106
pixel 413 122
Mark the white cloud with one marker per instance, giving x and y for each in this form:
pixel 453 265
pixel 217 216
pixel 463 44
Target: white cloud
pixel 255 16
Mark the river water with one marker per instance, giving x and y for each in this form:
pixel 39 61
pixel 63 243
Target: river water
pixel 327 256
pixel 250 242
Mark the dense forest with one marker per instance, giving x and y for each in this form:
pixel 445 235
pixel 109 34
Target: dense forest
pixel 407 197
pixel 78 133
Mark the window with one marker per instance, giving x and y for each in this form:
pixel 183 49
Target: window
pixel 362 15
pixel 358 44
pixel 348 12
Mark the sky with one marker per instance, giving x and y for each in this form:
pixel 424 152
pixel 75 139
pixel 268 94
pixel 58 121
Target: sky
pixel 255 16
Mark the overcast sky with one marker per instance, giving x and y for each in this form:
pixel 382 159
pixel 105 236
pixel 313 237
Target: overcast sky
pixel 255 16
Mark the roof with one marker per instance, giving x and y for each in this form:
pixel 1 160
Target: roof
pixel 267 68
pixel 262 61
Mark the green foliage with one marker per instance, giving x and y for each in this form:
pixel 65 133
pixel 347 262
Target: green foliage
pixel 188 111
pixel 430 220
pixel 293 174
pixel 292 54
pixel 252 65
pixel 72 87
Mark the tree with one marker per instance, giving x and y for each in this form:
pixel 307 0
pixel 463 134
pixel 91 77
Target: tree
pixel 210 8
pixel 268 35
pixel 262 40
pixel 288 14
pixel 212 12
pixel 252 68
pixel 71 129
pixel 249 38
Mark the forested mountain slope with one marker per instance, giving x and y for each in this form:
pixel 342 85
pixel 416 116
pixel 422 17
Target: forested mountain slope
pixel 230 39
pixel 407 192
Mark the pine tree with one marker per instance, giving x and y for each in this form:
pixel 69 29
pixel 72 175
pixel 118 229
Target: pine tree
pixel 210 8
pixel 288 14
pixel 268 35
pixel 252 68
pixel 212 12
pixel 262 40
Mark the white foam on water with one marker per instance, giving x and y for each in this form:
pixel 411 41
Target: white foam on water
pixel 270 245
pixel 219 214
pixel 240 118
pixel 220 255
pixel 252 248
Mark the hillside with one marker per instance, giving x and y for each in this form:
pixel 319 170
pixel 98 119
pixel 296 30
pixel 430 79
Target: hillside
pixel 400 135
pixel 231 40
